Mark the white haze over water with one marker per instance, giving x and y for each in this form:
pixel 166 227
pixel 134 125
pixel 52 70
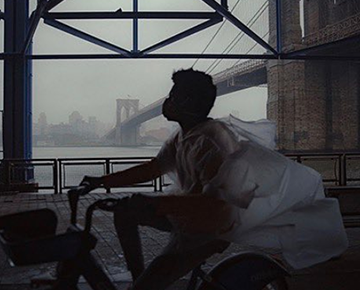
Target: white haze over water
pixel 92 86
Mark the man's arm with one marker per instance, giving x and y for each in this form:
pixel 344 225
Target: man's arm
pixel 141 173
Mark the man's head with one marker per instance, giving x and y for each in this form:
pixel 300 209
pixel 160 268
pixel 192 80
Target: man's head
pixel 192 96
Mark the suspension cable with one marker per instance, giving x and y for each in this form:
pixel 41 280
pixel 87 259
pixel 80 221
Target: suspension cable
pixel 238 37
pixel 216 33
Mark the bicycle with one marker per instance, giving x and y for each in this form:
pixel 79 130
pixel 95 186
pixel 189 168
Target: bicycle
pixel 29 238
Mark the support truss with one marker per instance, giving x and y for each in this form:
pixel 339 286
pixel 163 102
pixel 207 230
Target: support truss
pixel 220 13
pixel 53 19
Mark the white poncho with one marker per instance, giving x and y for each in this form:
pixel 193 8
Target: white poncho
pixel 279 204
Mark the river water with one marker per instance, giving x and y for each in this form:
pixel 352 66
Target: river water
pixel 89 152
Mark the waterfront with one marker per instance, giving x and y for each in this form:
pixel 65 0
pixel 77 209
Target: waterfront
pixel 90 152
pixel 72 175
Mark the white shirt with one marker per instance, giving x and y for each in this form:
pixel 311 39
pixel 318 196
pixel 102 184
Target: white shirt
pixel 278 203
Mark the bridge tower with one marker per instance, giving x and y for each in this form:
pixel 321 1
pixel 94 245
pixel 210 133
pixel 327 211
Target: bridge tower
pixel 286 79
pixel 335 84
pixel 315 103
pixel 126 135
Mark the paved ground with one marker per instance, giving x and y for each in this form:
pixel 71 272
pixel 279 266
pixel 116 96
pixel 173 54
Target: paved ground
pixel 341 274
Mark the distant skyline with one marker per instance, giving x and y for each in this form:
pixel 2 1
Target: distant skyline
pixel 92 86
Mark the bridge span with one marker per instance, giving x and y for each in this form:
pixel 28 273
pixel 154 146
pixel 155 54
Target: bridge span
pixel 339 36
pixel 242 76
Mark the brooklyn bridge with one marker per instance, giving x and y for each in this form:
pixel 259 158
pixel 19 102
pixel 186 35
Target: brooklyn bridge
pixel 314 102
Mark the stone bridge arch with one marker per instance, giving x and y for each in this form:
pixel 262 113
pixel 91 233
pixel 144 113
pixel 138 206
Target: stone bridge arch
pixel 126 135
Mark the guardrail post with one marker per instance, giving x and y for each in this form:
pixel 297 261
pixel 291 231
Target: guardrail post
pixel 7 173
pixel 55 177
pixel 60 176
pixel 343 166
pixel 161 183
pixel 107 171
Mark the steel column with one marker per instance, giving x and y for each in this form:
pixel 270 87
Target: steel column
pixel 34 21
pixel 17 135
pixel 135 27
pixel 278 26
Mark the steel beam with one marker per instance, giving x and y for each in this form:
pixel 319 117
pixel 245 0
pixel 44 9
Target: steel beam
pixel 135 27
pixel 52 4
pixel 85 36
pixel 224 3
pixel 17 126
pixel 278 26
pixel 130 15
pixel 34 21
pixel 181 35
pixel 235 21
pixel 152 56
pixel 189 56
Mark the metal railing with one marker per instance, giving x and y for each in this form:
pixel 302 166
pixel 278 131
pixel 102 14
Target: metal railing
pixel 105 166
pixel 337 169
pixel 332 166
pixel 64 173
pixel 11 170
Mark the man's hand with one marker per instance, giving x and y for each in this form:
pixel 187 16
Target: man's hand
pixel 92 181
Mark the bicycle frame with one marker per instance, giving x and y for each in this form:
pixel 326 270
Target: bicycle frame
pixel 28 244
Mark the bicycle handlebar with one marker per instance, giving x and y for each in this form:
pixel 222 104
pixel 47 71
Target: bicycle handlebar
pixel 74 193
pixel 73 197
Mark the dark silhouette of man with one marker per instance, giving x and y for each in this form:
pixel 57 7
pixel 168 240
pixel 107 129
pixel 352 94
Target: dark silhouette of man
pixel 195 219
pixel 229 185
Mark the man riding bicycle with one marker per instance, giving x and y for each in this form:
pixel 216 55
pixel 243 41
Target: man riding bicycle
pixel 228 186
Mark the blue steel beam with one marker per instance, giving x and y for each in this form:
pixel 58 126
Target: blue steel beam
pixel 278 26
pixel 52 4
pixel 181 35
pixel 17 85
pixel 189 56
pixel 34 21
pixel 235 21
pixel 130 15
pixel 224 3
pixel 87 37
pixel 152 56
pixel 135 27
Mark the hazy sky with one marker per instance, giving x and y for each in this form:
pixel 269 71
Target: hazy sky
pixel 92 86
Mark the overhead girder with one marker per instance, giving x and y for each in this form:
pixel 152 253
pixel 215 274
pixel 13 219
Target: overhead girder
pixel 220 11
pixel 87 37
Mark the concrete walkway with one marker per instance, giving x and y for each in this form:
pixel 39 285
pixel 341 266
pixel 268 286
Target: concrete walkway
pixel 340 274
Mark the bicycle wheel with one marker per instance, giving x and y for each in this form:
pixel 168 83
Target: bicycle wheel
pixel 279 284
pixel 248 271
